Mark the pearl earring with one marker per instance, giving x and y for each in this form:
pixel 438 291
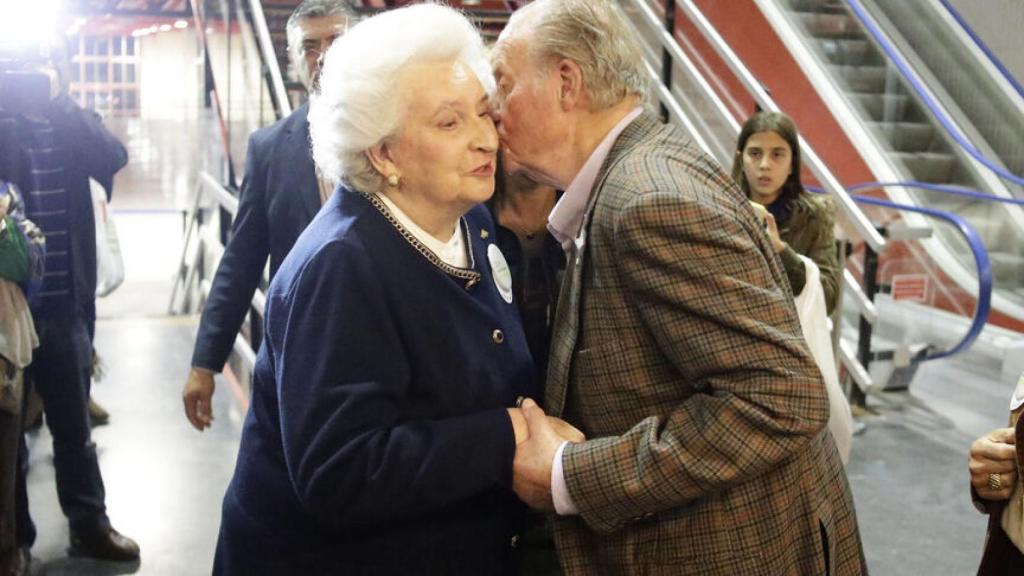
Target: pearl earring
pixel 393 180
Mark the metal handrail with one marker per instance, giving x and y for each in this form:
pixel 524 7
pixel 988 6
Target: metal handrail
pixel 266 44
pixel 855 216
pixel 981 311
pixel 915 83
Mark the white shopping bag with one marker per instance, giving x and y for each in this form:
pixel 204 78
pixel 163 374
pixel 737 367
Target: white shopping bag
pixel 109 265
pixel 810 306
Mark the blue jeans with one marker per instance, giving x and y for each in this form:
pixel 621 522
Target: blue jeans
pixel 60 372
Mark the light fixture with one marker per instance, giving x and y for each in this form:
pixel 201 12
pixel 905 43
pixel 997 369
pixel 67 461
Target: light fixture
pixel 181 24
pixel 27 23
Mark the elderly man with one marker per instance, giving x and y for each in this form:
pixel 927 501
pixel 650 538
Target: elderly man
pixel 280 195
pixel 676 347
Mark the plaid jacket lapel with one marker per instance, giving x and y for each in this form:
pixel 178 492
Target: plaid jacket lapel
pixel 566 327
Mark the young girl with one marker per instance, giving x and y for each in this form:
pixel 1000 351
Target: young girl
pixel 767 168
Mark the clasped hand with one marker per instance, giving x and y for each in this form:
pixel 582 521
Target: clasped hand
pixel 992 457
pixel 538 437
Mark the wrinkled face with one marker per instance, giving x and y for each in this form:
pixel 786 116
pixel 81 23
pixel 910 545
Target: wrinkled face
pixel 446 151
pixel 314 37
pixel 767 163
pixel 530 123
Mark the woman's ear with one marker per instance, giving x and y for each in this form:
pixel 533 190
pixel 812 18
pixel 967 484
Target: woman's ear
pixel 380 159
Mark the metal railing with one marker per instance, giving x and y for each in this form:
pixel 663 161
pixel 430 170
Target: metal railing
pixel 210 195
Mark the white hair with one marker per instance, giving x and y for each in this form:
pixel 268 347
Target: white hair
pixel 357 107
pixel 592 33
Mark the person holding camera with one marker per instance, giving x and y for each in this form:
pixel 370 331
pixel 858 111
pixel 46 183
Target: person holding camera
pixel 53 147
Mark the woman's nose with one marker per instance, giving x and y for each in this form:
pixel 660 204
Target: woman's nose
pixel 487 135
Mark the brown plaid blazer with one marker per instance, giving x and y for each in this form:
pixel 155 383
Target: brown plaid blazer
pixel 678 352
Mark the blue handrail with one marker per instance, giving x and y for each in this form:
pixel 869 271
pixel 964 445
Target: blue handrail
pixel 983 47
pixel 944 188
pixel 915 83
pixel 981 311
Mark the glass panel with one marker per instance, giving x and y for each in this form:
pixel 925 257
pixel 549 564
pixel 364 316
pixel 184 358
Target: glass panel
pixel 129 45
pixel 101 46
pixel 101 71
pixel 115 45
pixel 117 99
pixel 90 72
pixel 118 68
pixel 130 100
pixel 76 72
pixel 130 72
pixel 90 45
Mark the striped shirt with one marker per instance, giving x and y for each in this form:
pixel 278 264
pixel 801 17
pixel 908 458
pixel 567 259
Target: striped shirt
pixel 46 204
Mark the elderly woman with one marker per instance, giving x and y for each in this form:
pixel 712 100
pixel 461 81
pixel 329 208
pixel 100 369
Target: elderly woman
pixel 379 440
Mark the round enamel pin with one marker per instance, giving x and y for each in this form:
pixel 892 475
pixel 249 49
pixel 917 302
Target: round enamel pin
pixel 499 270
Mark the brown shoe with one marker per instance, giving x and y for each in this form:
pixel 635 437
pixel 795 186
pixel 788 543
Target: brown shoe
pixel 97 415
pixel 106 544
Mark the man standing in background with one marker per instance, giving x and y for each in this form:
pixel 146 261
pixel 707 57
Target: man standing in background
pixel 280 194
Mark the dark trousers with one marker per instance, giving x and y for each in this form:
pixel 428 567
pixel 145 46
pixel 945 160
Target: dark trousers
pixel 10 431
pixel 60 373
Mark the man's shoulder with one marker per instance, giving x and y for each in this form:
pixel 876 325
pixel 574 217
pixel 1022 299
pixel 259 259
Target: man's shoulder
pixel 269 135
pixel 665 160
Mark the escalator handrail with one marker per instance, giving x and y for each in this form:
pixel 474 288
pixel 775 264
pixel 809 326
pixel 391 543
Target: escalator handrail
pixel 943 188
pixel 817 166
pixel 983 47
pixel 981 260
pixel 266 45
pixel 915 83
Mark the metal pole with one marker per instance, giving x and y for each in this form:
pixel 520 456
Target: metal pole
pixel 857 396
pixel 666 57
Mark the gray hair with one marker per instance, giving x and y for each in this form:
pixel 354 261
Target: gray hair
pixel 592 33
pixel 357 107
pixel 314 9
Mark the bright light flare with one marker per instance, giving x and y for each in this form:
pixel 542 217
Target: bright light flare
pixel 26 23
pixel 181 24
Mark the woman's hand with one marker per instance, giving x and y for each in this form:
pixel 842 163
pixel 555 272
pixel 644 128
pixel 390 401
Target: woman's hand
pixel 561 427
pixel 519 427
pixel 993 464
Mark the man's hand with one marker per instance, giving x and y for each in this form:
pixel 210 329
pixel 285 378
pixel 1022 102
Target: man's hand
pixel 197 396
pixel 531 469
pixel 993 464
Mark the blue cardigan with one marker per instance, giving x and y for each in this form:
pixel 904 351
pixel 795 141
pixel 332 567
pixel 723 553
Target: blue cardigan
pixel 378 440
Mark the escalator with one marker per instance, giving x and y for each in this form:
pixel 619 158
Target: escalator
pixel 924 107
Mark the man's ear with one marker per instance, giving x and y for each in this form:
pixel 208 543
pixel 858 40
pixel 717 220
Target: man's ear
pixel 570 84
pixel 380 158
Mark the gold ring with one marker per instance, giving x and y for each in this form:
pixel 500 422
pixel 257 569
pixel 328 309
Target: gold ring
pixel 995 481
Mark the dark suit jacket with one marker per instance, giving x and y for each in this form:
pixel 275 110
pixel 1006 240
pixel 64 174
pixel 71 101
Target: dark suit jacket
pixel 378 440
pixel 279 197
pixel 677 351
